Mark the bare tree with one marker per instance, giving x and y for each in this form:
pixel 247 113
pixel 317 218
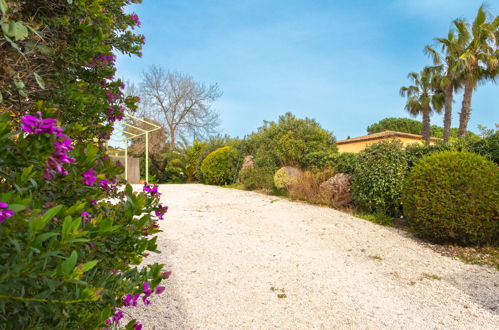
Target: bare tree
pixel 180 104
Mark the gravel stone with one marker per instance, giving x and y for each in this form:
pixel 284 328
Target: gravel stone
pixel 243 260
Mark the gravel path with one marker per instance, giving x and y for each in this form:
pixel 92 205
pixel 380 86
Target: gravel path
pixel 243 260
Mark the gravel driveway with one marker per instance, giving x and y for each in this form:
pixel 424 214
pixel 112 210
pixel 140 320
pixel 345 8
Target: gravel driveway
pixel 242 260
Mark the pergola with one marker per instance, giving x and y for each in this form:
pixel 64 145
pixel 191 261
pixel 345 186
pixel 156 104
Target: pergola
pixel 129 136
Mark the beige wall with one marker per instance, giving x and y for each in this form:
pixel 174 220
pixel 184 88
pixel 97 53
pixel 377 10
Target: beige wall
pixel 361 145
pixel 133 168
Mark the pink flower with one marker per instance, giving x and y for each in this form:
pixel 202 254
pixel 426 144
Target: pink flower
pixel 4 213
pixel 137 326
pixel 135 18
pixel 38 125
pixel 166 274
pixel 88 177
pixel 159 289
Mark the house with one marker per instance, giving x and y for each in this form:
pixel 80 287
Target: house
pixel 358 144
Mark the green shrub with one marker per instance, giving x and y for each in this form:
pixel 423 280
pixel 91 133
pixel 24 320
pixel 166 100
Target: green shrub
pixel 286 176
pixel 212 144
pixel 192 155
pixel 319 159
pixel 379 176
pixel 453 197
pixel 288 141
pixel 345 162
pixel 257 178
pixel 220 166
pixel 487 146
pixel 71 239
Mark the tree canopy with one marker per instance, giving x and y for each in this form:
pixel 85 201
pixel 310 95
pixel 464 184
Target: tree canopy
pixel 288 141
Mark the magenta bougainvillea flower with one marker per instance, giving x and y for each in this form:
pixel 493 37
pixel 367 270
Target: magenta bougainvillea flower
pixel 151 189
pixel 104 184
pixel 137 326
pixel 88 177
pixel 38 125
pixel 166 274
pixel 117 316
pixel 63 144
pixel 4 213
pixel 159 289
pixel 160 211
pixel 135 18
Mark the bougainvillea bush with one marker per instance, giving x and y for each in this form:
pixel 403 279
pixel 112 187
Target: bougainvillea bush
pixel 71 237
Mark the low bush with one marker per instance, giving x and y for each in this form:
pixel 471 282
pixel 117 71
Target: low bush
pixel 286 176
pixel 453 197
pixel 257 178
pixel 379 177
pixel 220 166
pixel 307 186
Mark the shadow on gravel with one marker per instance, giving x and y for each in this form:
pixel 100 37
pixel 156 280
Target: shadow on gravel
pixel 482 285
pixel 167 311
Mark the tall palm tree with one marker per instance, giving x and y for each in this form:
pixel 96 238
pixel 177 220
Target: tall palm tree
pixel 450 81
pixel 424 96
pixel 479 61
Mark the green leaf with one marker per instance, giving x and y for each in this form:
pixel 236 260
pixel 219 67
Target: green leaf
pixel 4 6
pixel 43 237
pixel 19 84
pixel 1 97
pixel 25 175
pixel 38 224
pixel 16 30
pixel 69 264
pixel 17 207
pixel 39 80
pixel 13 44
pixel 89 265
pixel 70 2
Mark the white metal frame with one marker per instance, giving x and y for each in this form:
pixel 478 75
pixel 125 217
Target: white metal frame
pixel 133 136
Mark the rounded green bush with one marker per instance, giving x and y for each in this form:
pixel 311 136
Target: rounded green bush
pixel 379 176
pixel 220 166
pixel 453 197
pixel 285 176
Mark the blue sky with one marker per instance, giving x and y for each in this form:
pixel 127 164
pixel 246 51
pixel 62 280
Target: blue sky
pixel 341 62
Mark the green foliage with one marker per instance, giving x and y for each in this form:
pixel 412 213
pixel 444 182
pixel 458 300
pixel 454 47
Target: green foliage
pixel 411 126
pixel 488 146
pixel 452 197
pixel 68 255
pixel 319 159
pixel 416 151
pixel 257 178
pixel 192 155
pixel 396 124
pixel 285 177
pixel 174 170
pixel 212 144
pixel 220 166
pixel 379 176
pixel 288 141
pixel 379 218
pixel 56 262
pixel 345 162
